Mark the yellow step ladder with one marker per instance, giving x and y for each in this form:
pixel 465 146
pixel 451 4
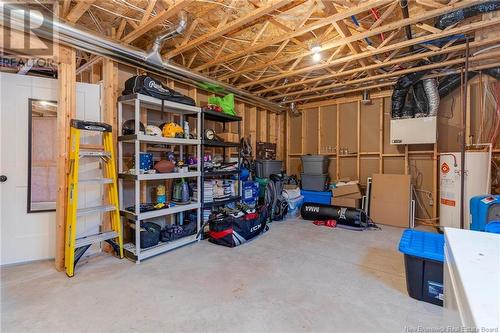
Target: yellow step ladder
pixel 76 247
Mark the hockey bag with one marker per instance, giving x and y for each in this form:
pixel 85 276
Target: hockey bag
pixel 146 85
pixel 232 231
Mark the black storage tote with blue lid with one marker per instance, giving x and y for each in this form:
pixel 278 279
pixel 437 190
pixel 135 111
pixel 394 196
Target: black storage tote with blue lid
pixel 424 257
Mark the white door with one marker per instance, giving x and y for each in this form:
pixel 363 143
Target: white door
pixel 29 236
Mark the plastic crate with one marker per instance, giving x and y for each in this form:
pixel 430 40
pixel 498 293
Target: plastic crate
pixel 315 164
pixel 424 257
pixel 322 197
pixel 314 182
pixel 265 168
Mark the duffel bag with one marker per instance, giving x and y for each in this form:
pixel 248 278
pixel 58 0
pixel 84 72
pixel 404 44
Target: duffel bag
pixel 233 231
pixel 146 85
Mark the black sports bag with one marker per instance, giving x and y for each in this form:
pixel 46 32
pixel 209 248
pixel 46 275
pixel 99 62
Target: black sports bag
pixel 146 85
pixel 233 231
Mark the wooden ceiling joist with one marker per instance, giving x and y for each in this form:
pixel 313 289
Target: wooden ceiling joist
pixel 462 29
pixel 157 20
pixel 398 61
pixel 461 60
pixel 383 76
pixel 264 46
pixel 298 32
pixel 370 33
pixel 235 25
pixel 78 10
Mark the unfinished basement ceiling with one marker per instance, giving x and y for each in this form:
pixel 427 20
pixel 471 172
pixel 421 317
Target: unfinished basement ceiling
pixel 266 47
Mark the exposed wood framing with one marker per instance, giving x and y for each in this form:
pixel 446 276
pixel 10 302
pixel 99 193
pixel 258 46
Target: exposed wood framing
pixel 400 45
pixel 230 27
pixel 298 32
pixel 157 20
pixel 66 107
pixel 78 10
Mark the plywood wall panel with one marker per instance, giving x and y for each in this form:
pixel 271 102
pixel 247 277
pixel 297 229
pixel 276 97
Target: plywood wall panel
pixel 295 135
pixel 394 165
pixel 348 128
pixel 370 133
pixel 421 169
pixel 295 166
pixel 368 167
pixel 328 129
pixel 310 131
pixel 348 168
pixel 332 168
pixel 262 123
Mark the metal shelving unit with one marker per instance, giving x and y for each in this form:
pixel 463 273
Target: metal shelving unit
pixel 224 119
pixel 138 102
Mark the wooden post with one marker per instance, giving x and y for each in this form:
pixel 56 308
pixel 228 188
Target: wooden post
pixel 262 125
pixel 281 138
pixel 337 150
pixel 66 109
pixel 435 175
pixel 381 138
pixel 319 131
pixel 252 123
pixel 358 161
pixel 109 116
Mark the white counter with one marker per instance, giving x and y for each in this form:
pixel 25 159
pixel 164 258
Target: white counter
pixel 472 278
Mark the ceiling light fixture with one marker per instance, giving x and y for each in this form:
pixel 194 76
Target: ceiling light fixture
pixel 316 48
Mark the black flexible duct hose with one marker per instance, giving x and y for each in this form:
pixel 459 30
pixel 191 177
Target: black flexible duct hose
pixel 446 20
pixel 451 82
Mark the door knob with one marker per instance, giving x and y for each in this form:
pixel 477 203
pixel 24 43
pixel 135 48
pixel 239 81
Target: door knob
pixel 3 179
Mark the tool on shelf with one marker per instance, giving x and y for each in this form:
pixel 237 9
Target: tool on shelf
pixel 76 247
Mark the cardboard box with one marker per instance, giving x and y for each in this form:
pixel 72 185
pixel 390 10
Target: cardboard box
pixel 350 191
pixel 347 196
pixel 347 202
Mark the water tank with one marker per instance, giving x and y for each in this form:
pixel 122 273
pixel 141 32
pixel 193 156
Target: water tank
pixel 477 182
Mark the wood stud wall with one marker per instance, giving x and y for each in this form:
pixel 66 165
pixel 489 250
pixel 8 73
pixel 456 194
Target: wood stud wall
pixel 362 129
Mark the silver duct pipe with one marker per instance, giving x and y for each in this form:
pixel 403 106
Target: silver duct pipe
pixel 431 90
pixel 85 40
pixel 154 55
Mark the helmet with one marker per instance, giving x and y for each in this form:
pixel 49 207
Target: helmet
pixel 153 130
pixel 171 130
pixel 128 127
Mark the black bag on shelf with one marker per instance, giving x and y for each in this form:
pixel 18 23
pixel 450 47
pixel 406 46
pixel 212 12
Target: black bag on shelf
pixel 146 85
pixel 233 231
pixel 149 233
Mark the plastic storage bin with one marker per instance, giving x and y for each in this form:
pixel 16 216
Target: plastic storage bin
pixel 322 197
pixel 294 206
pixel 424 257
pixel 314 182
pixel 265 168
pixel 315 164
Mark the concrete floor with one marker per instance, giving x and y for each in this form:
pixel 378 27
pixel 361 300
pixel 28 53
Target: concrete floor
pixel 297 277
